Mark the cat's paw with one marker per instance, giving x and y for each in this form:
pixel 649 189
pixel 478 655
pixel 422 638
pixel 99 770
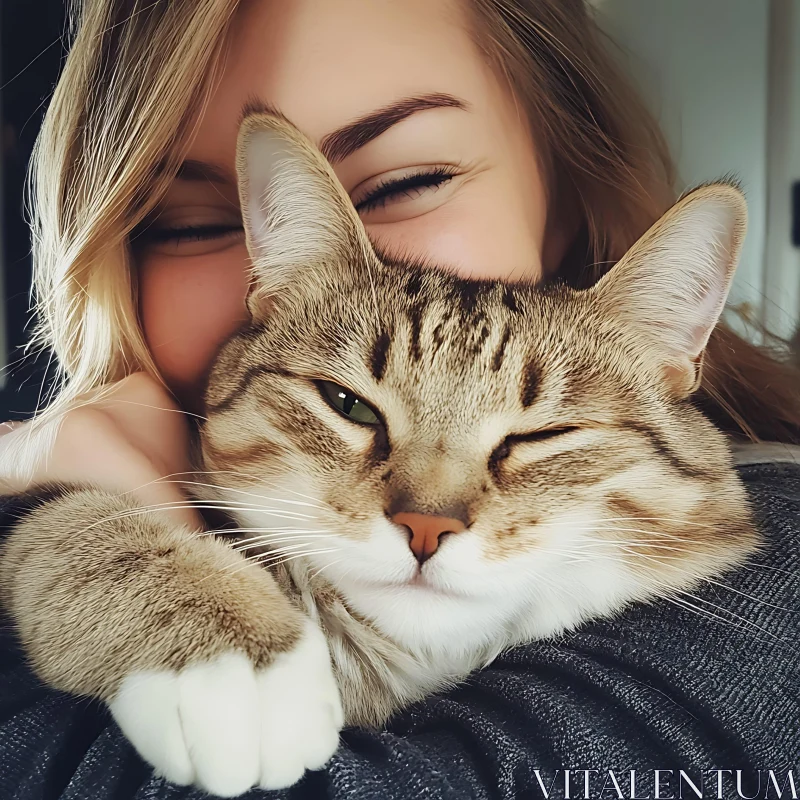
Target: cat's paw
pixel 226 727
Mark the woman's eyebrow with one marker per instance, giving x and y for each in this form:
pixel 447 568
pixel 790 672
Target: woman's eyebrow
pixel 343 142
pixel 346 140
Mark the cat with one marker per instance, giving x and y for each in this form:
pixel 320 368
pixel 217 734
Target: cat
pixel 421 471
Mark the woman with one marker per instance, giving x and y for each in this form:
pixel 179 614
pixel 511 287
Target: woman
pixel 490 137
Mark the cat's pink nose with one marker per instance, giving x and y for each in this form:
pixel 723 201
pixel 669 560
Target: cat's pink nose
pixel 426 530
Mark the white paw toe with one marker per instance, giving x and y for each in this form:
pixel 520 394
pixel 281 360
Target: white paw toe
pixel 226 728
pixel 221 724
pixel 146 710
pixel 197 726
pixel 304 734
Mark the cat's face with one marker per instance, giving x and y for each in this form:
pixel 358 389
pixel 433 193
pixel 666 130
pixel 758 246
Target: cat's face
pixel 545 434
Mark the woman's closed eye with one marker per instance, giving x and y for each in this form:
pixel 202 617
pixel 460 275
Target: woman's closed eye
pixel 389 197
pixel 404 193
pixel 193 233
pixel 190 231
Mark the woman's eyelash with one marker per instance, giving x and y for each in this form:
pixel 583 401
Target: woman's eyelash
pixel 190 233
pixel 385 190
pixel 377 198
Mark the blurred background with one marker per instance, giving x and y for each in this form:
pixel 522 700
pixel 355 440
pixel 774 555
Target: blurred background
pixel 722 76
pixel 31 53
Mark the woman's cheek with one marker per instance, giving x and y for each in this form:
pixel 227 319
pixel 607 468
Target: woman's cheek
pixel 188 306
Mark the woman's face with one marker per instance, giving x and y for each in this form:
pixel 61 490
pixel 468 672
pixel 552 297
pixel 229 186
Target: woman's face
pixel 428 142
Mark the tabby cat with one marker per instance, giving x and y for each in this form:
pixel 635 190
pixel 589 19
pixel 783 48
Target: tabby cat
pixel 421 471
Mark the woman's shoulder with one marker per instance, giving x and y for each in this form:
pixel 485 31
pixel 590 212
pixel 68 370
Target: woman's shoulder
pixel 764 454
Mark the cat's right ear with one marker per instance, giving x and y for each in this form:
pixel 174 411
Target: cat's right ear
pixel 670 287
pixel 299 222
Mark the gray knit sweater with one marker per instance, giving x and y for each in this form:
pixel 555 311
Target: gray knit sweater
pixel 713 692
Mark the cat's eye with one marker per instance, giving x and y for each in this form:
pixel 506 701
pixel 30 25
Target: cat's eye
pixel 503 450
pixel 348 404
pixel 541 435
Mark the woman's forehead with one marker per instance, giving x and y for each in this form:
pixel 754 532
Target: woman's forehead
pixel 324 63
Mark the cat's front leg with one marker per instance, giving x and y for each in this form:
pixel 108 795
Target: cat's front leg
pixel 210 671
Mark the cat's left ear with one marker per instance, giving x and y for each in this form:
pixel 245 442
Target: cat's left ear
pixel 670 287
pixel 299 222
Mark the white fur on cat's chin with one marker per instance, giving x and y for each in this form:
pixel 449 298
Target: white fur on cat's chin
pixel 470 606
pixel 477 606
pixel 228 727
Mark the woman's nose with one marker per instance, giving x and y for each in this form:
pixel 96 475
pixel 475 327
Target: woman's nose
pixel 426 530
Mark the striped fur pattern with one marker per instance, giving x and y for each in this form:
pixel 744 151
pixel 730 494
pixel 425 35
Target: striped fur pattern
pixel 556 425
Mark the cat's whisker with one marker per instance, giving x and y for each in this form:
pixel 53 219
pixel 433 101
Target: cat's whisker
pixel 269 533
pixel 617 529
pixel 645 545
pixel 270 529
pixel 316 572
pixel 251 528
pixel 161 408
pixel 243 503
pixel 580 557
pixel 283 513
pixel 188 505
pixel 342 576
pixel 633 543
pixel 672 520
pixel 189 484
pixel 283 559
pixel 744 620
pixel 293 545
pixel 324 567
pixel 275 499
pixel 150 507
pixel 655 534
pixel 789 573
pixel 145 509
pixel 287 513
pixel 584 547
pixel 750 596
pixel 658 558
pixel 299 494
pixel 272 553
pixel 273 559
pixel 703 612
pixel 287 537
pixel 261 482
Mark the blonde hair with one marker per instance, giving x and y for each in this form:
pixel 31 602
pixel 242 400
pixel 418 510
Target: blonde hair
pixel 121 117
pixel 134 85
